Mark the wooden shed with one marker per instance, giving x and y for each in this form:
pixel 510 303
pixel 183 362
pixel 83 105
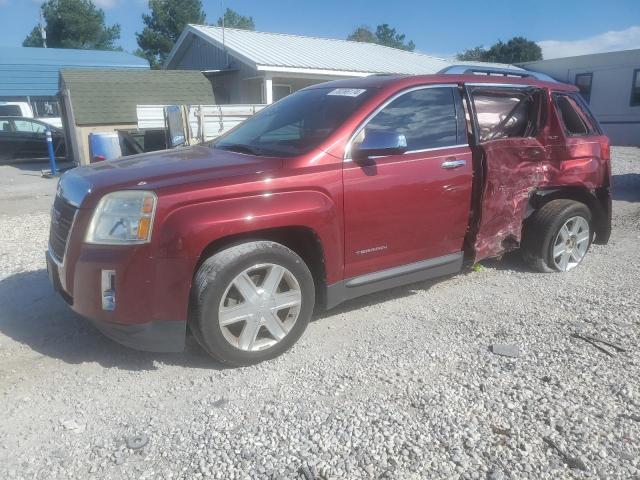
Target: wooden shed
pixel 105 101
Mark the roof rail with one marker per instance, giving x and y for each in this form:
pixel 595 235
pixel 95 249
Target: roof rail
pixel 494 71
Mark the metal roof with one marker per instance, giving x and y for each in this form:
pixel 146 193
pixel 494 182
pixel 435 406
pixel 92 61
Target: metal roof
pixel 109 97
pixel 28 71
pixel 290 53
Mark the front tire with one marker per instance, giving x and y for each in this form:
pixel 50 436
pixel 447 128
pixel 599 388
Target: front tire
pixel 558 236
pixel 251 302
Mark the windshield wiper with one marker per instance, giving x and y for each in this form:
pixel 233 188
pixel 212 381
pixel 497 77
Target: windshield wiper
pixel 240 148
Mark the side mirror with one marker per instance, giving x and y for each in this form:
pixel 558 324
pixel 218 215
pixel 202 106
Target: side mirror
pixel 378 143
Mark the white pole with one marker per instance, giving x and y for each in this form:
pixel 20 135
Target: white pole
pixel 268 89
pixel 43 31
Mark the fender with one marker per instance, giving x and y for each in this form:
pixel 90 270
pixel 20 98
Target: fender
pixel 187 231
pixel 598 201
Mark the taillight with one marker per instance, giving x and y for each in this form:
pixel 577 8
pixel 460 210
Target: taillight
pixel 605 148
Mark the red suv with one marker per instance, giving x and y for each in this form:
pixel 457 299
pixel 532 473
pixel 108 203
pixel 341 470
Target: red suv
pixel 338 190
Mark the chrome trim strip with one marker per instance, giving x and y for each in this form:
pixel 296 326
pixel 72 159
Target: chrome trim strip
pixel 461 145
pixel 347 151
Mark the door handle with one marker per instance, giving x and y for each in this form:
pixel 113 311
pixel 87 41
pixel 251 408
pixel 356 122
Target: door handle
pixel 453 163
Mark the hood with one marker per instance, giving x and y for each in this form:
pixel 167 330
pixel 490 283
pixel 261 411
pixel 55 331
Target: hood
pixel 156 170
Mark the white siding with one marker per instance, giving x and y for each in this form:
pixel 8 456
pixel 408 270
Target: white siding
pixel 610 89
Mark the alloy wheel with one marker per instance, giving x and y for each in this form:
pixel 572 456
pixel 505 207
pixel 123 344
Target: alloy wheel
pixel 571 243
pixel 259 307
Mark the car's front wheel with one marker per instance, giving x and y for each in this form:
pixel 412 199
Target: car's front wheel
pixel 251 302
pixel 558 236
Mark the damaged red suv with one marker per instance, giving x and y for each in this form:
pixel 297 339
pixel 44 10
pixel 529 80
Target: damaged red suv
pixel 338 190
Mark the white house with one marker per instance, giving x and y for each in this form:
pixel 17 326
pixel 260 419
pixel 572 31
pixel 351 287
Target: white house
pixel 260 67
pixel 610 83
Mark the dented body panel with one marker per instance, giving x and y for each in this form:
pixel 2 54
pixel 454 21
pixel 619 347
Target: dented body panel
pixel 516 169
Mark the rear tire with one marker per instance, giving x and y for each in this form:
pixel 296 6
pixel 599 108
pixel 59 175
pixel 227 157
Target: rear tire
pixel 557 236
pixel 251 302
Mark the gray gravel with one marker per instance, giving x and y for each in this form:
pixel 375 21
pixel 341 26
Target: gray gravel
pixel 402 384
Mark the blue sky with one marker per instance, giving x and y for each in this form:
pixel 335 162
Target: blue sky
pixel 563 27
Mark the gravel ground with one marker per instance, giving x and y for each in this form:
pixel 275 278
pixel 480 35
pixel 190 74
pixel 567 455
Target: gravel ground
pixel 401 384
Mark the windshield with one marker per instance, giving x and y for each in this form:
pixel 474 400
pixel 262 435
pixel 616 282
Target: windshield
pixel 296 124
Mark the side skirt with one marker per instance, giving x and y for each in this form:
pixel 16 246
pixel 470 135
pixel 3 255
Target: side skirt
pixel 393 277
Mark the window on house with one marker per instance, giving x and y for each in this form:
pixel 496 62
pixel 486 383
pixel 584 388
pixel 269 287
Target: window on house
pixel 46 108
pixel 575 119
pixel 281 91
pixel 506 112
pixel 426 117
pixel 635 88
pixel 583 82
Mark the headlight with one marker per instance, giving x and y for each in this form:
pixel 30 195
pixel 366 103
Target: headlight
pixel 123 218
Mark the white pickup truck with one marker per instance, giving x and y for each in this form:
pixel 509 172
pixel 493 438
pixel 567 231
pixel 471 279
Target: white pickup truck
pixel 23 109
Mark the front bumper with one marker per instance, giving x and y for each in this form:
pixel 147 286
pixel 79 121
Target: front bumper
pixel 149 316
pixel 160 336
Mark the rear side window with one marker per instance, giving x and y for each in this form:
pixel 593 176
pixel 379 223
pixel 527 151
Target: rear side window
pixel 506 112
pixel 635 89
pixel 426 117
pixel 10 111
pixel 575 119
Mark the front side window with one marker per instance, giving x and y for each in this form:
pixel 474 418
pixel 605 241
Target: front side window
pixel 583 82
pixel 506 112
pixel 296 124
pixel 426 117
pixel 574 118
pixel 635 89
pixel 281 91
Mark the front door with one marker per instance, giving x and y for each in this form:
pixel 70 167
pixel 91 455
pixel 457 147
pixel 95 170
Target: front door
pixel 401 209
pixel 511 147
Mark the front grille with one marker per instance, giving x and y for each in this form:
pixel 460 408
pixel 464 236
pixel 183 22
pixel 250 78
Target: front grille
pixel 62 216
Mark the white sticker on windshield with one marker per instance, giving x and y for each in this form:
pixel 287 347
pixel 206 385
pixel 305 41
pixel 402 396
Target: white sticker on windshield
pixel 347 92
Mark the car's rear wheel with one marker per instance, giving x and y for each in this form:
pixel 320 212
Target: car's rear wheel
pixel 251 302
pixel 558 236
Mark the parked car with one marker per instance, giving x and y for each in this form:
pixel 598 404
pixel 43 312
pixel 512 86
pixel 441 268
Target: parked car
pixel 25 138
pixel 47 111
pixel 338 190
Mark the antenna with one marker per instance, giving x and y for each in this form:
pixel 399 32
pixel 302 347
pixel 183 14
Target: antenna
pixel 43 31
pixel 224 45
pixel 223 12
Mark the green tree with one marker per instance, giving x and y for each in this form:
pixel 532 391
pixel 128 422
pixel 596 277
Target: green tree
pixel 384 35
pixel 476 54
pixel 516 50
pixel 389 37
pixel 74 24
pixel 362 34
pixel 233 19
pixel 163 26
